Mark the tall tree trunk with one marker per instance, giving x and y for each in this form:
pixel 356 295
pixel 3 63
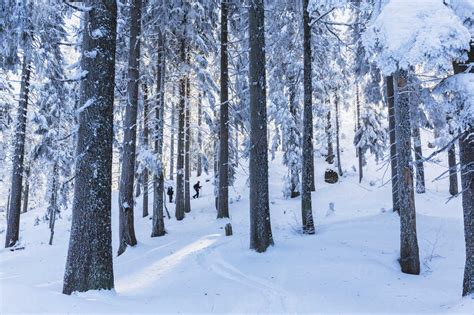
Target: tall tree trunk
pixel 13 221
pixel 173 130
pixel 260 227
pixel 89 259
pixel 466 153
pixel 236 157
pixel 409 254
pixel 393 147
pixel 223 209
pixel 53 202
pixel 420 171
pixel 466 156
pixel 180 160
pixel 146 144
pixel 199 137
pixel 307 170
pixel 330 156
pixel 187 165
pixel 359 150
pixel 294 167
pixel 126 204
pixel 216 160
pixel 26 193
pixel 338 146
pixel 158 227
pixel 453 175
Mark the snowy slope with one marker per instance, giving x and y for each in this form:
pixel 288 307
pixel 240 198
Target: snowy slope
pixel 349 266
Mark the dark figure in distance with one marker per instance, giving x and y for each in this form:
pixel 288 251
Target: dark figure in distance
pixel 170 193
pixel 196 188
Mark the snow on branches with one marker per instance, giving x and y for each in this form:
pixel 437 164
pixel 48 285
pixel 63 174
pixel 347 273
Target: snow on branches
pixel 409 33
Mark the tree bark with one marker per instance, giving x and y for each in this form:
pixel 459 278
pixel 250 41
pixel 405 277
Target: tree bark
pixel 420 171
pixel 393 147
pixel 295 169
pixel 126 202
pixel 89 259
pixel 216 160
pixel 199 138
pixel 173 130
pixel 466 156
pixel 236 157
pixel 466 153
pixel 338 146
pixel 223 208
pixel 180 160
pixel 260 227
pixel 409 254
pixel 158 226
pixel 187 165
pixel 13 221
pixel 53 202
pixel 453 175
pixel 359 150
pixel 330 156
pixel 27 189
pixel 307 169
pixel 146 144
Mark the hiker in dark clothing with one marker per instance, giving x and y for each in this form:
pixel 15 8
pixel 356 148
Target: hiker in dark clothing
pixel 170 193
pixel 196 188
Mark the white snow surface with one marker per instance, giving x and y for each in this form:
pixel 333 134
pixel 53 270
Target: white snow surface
pixel 412 33
pixel 349 266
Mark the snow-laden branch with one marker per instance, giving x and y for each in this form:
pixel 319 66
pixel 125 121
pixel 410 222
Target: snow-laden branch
pixel 410 33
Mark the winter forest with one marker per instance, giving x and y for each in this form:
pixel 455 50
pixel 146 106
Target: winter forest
pixel 237 156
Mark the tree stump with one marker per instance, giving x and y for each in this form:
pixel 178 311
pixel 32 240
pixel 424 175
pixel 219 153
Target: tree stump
pixel 228 229
pixel 330 176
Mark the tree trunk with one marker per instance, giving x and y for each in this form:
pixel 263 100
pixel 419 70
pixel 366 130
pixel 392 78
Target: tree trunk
pixel 180 160
pixel 338 146
pixel 89 259
pixel 158 226
pixel 236 158
pixel 216 160
pixel 294 167
pixel 330 156
pixel 466 153
pixel 126 202
pixel 409 254
pixel 187 166
pixel 146 144
pixel 27 189
pixel 53 202
pixel 393 147
pixel 359 150
pixel 453 175
pixel 420 172
pixel 466 156
pixel 307 170
pixel 223 209
pixel 199 139
pixel 173 130
pixel 260 227
pixel 13 221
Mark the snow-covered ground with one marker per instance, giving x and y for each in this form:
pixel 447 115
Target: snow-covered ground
pixel 349 266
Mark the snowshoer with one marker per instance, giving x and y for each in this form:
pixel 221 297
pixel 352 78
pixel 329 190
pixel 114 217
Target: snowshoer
pixel 170 193
pixel 196 188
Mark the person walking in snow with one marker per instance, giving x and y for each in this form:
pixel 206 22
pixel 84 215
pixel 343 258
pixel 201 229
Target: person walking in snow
pixel 196 188
pixel 170 193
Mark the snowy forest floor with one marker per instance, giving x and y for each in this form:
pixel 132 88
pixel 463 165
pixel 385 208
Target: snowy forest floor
pixel 349 266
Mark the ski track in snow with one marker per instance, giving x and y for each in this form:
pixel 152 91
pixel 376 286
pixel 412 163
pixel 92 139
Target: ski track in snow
pixel 272 294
